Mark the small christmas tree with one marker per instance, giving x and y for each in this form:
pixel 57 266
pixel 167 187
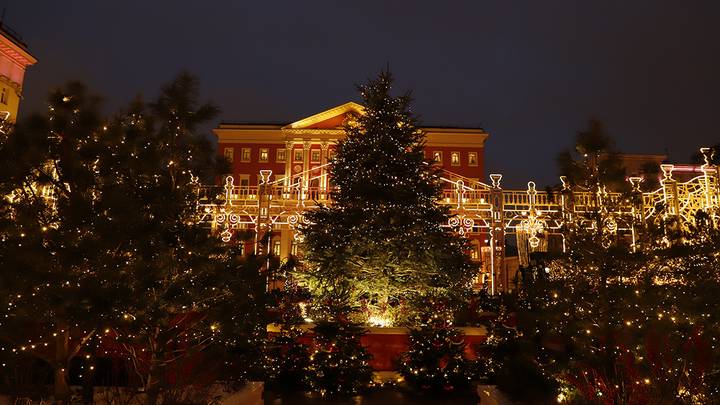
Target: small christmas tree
pixel 435 362
pixel 287 359
pixel 339 364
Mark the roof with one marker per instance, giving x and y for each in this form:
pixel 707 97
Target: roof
pixel 14 48
pixel 329 118
pixel 12 35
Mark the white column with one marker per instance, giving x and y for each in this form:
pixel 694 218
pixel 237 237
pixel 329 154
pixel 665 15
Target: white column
pixel 324 170
pixel 288 163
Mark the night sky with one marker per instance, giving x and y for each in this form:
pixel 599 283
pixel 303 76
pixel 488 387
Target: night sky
pixel 529 72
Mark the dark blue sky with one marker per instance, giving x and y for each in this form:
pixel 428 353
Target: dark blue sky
pixel 530 72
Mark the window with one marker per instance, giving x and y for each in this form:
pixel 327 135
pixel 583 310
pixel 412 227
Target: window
pixel 315 156
pixel 475 253
pixel 276 248
pixel 437 156
pixel 472 159
pixel 4 95
pixel 228 153
pixel 244 186
pixel 245 154
pixel 280 157
pixel 331 154
pixel 455 158
pixel 264 155
pixel 294 248
pixel 298 155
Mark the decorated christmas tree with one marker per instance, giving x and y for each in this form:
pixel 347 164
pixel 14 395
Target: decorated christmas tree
pixel 101 243
pixel 384 240
pixel 183 289
pixel 435 362
pixel 616 323
pixel 287 357
pixel 339 365
pixel 52 299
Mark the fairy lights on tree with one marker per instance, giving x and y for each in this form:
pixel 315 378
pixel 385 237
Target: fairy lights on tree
pixel 381 240
pixel 622 324
pixel 435 362
pixel 101 243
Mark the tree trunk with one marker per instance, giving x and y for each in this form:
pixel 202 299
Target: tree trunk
pixel 152 385
pixel 152 395
pixel 62 348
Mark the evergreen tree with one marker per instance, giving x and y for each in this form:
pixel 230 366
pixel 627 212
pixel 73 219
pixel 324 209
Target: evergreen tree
pixel 339 365
pixel 180 287
pixel 100 235
pixel 287 359
pixel 509 360
pixel 50 289
pixel 383 241
pixel 435 361
pixel 621 326
pixel 594 162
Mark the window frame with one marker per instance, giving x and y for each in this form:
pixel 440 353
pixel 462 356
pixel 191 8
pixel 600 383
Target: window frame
pixel 296 153
pixel 312 155
pixel 278 152
pixel 454 162
pixel 246 152
pixel 437 156
pixel 470 155
pixel 230 157
pixel 277 248
pixel 267 155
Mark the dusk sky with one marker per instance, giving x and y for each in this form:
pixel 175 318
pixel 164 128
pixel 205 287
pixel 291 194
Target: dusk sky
pixel 530 72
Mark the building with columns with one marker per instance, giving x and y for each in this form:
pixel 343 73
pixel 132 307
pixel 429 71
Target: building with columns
pixel 14 59
pixel 293 159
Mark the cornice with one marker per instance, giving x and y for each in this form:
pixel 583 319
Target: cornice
pixel 16 53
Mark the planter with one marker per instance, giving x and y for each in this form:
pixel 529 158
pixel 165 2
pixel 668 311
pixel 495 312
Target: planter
pixel 388 344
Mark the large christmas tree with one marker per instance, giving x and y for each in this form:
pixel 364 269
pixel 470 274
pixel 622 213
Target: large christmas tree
pixel 382 242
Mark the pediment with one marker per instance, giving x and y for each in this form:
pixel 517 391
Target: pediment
pixel 328 119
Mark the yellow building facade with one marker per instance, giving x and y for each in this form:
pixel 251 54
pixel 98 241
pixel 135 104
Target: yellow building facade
pixel 14 60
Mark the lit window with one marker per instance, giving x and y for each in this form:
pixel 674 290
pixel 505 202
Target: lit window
pixel 276 248
pixel 246 154
pixel 475 253
pixel 228 153
pixel 437 156
pixel 455 158
pixel 294 248
pixel 472 159
pixel 315 156
pixel 280 157
pixel 298 156
pixel 264 155
pixel 4 95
